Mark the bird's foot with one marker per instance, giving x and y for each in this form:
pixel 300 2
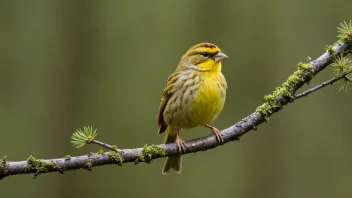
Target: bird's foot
pixel 217 133
pixel 180 145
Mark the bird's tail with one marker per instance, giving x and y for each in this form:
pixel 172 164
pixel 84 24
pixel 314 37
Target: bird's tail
pixel 172 162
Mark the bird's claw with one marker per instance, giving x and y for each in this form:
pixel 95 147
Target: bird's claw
pixel 180 145
pixel 217 133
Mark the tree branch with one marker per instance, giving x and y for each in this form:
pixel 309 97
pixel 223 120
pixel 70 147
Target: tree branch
pixel 273 103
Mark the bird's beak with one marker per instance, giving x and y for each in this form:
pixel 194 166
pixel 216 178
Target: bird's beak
pixel 220 57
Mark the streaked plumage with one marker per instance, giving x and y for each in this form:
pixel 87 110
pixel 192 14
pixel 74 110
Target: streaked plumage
pixel 194 96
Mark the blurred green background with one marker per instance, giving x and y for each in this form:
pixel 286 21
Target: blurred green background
pixel 69 63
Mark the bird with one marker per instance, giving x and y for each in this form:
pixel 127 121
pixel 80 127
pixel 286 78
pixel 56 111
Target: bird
pixel 194 96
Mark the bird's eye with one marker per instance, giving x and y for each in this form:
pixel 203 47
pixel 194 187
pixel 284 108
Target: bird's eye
pixel 205 54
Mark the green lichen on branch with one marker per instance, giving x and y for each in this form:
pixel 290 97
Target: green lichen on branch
pixel 38 165
pixel 67 157
pixel 101 151
pixel 88 166
pixel 330 50
pixel 116 158
pixel 31 159
pixel 149 152
pixel 272 102
pixel 115 148
pixel 3 165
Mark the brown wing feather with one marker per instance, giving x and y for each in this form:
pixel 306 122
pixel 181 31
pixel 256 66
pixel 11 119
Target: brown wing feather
pixel 168 91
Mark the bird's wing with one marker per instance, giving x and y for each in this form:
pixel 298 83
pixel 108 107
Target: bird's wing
pixel 168 92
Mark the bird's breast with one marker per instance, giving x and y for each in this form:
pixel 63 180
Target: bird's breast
pixel 198 102
pixel 209 100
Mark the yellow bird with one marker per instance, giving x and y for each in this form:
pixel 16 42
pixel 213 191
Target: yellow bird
pixel 194 96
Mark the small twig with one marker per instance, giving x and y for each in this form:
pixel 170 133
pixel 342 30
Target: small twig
pixel 316 88
pixel 309 91
pixel 104 145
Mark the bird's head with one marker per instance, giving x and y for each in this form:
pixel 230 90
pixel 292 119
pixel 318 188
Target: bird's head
pixel 202 57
